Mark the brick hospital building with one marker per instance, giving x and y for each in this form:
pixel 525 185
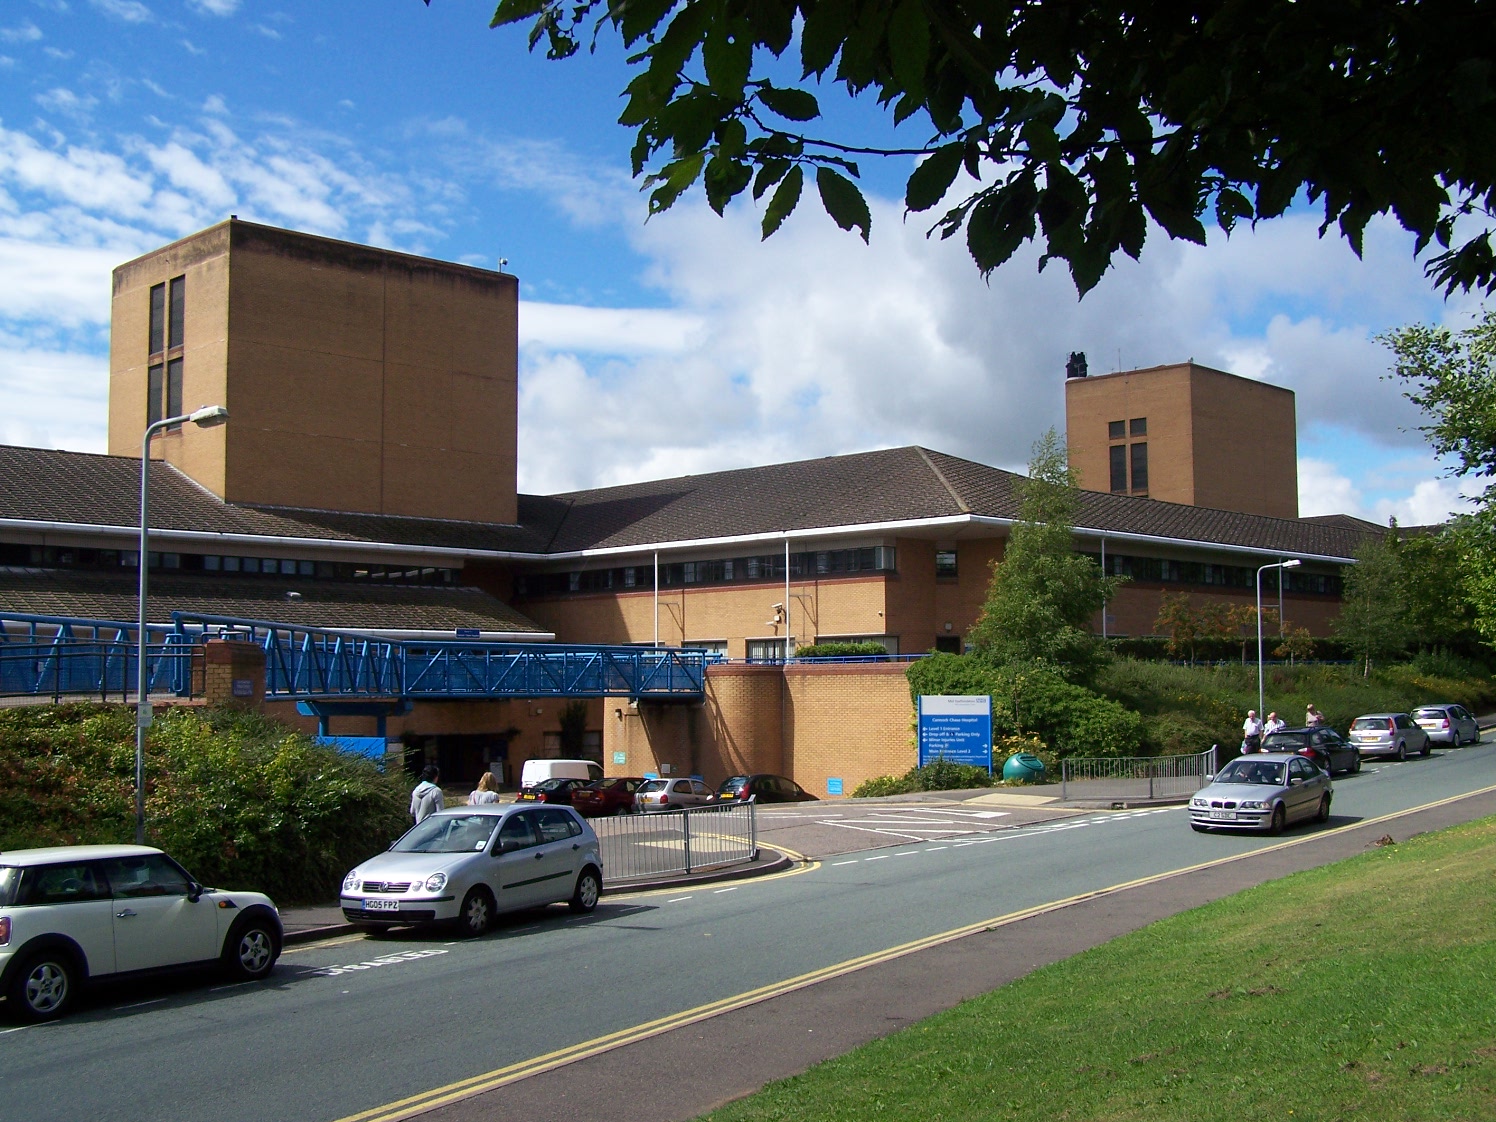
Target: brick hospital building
pixel 366 482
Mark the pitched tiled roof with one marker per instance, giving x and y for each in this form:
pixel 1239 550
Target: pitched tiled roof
pixel 891 485
pixel 897 484
pixel 50 486
pixel 112 596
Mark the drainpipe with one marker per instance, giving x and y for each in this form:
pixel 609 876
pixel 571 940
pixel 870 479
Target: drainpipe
pixel 657 596
pixel 1103 573
pixel 786 594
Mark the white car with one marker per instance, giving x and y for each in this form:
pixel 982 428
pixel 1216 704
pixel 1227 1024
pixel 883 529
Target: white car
pixel 672 794
pixel 71 914
pixel 471 862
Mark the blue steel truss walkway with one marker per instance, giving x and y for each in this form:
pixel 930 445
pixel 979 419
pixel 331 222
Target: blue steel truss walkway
pixel 54 655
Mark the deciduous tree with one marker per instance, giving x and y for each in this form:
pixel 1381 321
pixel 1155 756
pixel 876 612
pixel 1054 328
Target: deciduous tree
pixel 1043 594
pixel 1071 123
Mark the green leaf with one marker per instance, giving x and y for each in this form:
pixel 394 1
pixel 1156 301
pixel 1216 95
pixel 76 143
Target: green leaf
pixel 786 198
pixel 728 56
pixel 909 45
pixel 724 178
pixel 934 176
pixel 512 11
pixel 843 201
pixel 770 172
pixel 791 104
pixel 638 18
pixel 674 179
pixel 824 32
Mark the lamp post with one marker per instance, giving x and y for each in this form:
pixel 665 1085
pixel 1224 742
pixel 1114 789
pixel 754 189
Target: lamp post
pixel 1292 563
pixel 206 417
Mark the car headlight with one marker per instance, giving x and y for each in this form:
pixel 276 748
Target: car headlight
pixel 1197 802
pixel 436 882
pixel 1253 804
pixel 350 882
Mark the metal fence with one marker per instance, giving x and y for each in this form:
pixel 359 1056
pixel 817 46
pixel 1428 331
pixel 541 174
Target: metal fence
pixel 99 670
pixel 664 843
pixel 1137 777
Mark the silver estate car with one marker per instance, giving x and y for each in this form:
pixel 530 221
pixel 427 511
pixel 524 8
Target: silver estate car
pixel 1448 724
pixel 469 863
pixel 1388 734
pixel 1265 791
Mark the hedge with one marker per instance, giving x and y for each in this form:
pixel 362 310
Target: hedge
pixel 241 801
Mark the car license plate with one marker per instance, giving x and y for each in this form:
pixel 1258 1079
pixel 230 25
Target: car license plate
pixel 381 905
pixel 525 797
pixel 1223 815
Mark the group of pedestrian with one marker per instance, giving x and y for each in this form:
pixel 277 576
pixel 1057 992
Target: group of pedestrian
pixel 427 798
pixel 1253 730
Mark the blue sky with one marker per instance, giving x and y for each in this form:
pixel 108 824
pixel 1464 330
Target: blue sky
pixel 648 349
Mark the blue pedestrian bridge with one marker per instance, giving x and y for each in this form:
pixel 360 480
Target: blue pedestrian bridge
pixel 62 656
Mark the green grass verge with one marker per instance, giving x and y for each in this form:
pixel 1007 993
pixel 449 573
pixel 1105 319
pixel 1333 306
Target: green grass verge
pixel 1364 990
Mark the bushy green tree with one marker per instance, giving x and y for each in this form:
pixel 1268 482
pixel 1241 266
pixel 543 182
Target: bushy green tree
pixel 1373 619
pixel 1043 594
pixel 1451 376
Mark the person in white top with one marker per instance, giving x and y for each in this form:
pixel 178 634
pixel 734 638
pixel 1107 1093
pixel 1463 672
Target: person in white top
pixel 426 799
pixel 1313 716
pixel 1273 724
pixel 487 791
pixel 1251 732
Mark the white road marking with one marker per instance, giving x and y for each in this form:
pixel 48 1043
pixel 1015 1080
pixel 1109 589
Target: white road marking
pixel 880 857
pixel 908 853
pixel 677 899
pixel 836 863
pixel 18 1028
pixel 936 848
pixel 395 958
pixel 139 1004
pixel 719 891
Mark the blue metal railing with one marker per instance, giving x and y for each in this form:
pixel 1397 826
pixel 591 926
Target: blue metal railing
pixel 68 656
pixel 317 663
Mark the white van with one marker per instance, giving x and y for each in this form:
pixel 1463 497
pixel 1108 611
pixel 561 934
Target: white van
pixel 536 772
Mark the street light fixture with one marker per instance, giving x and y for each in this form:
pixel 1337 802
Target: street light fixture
pixel 207 417
pixel 1292 563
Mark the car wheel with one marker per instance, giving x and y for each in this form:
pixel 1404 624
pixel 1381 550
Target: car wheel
pixel 251 950
pixel 42 989
pixel 1323 814
pixel 1402 752
pixel 589 888
pixel 1280 818
pixel 1356 767
pixel 1425 747
pixel 477 913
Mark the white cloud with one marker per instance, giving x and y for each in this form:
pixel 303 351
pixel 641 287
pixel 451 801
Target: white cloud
pixel 66 286
pixel 613 331
pixel 268 32
pixel 23 32
pixel 127 11
pixel 215 7
pixel 67 103
pixel 1324 490
pixel 192 48
pixel 52 398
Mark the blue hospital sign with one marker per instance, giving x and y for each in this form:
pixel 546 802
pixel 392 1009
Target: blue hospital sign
pixel 956 728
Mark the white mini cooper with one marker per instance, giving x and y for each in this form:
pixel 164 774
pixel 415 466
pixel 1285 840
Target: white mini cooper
pixel 69 914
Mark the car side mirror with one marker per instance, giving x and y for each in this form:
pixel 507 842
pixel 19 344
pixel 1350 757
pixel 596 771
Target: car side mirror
pixel 195 891
pixel 1296 781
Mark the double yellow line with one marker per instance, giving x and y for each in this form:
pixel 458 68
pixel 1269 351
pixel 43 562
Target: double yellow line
pixel 537 1065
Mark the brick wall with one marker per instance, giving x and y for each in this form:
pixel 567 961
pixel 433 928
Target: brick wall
pixel 226 661
pixel 810 723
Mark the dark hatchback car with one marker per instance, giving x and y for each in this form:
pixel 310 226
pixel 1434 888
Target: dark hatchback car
pixel 606 796
pixel 557 792
pixel 1323 746
pixel 764 789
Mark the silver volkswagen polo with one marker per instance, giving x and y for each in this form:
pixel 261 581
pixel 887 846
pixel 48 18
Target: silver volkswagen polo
pixel 1265 791
pixel 469 863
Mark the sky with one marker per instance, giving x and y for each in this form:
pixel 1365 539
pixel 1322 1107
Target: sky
pixel 648 349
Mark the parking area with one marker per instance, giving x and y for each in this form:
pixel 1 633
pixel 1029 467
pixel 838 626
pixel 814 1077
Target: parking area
pixel 826 830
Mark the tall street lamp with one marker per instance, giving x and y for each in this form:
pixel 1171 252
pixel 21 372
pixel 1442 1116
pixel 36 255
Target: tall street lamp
pixel 206 417
pixel 1292 563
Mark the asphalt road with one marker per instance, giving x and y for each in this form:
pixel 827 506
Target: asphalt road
pixel 357 1025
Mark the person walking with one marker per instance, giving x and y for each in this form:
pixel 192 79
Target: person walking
pixel 1251 733
pixel 1313 717
pixel 426 799
pixel 487 791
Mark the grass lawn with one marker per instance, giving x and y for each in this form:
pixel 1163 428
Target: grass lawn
pixel 1364 990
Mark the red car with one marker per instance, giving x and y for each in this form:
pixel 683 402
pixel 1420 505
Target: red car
pixel 606 796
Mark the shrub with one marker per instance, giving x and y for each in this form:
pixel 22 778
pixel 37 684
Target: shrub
pixel 883 785
pixel 938 775
pixel 840 650
pixel 241 801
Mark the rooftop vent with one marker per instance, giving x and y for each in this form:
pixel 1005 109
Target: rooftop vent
pixel 1076 366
